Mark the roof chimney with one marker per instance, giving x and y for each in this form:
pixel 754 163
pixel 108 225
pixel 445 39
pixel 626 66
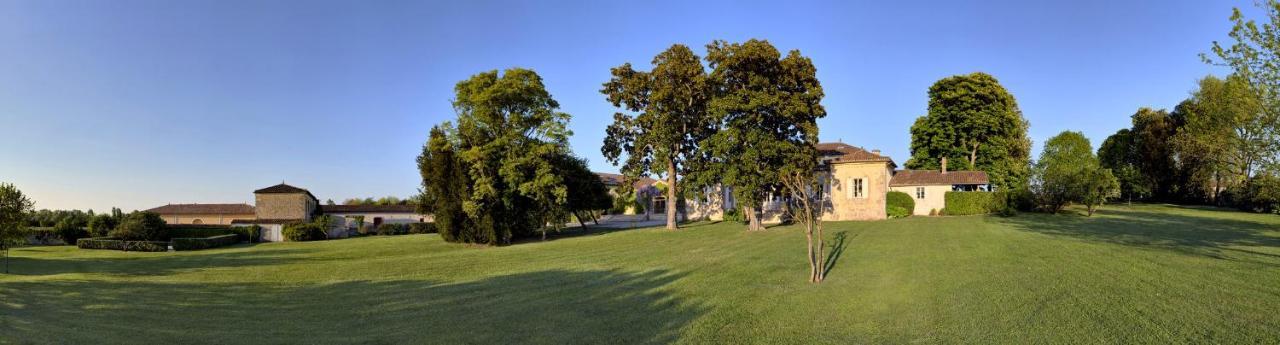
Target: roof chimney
pixel 877 152
pixel 944 165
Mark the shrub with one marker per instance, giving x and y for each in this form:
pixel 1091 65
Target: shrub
pixel 69 232
pixel 195 231
pixel 117 244
pixel 933 212
pixel 389 229
pixel 422 228
pixel 367 229
pixel 897 212
pixel 205 242
pixel 966 203
pixel 100 225
pixel 900 200
pixel 734 215
pixel 1258 194
pixel 140 226
pixel 304 232
pixel 248 233
pixel 43 235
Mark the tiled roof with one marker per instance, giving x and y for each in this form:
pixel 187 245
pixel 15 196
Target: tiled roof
pixel 368 208
pixel 935 177
pixel 286 189
pixel 845 153
pixel 611 179
pixel 237 209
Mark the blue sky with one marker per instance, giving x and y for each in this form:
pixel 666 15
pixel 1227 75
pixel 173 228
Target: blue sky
pixel 141 103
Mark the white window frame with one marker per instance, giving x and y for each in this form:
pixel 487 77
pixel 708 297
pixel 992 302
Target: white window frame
pixel 857 188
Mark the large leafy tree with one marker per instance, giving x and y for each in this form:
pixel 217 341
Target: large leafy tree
pixel 670 119
pixel 14 207
pixel 1223 128
pixel 974 120
pixel 1254 57
pixel 506 140
pixel 1119 153
pixel 1068 172
pixel 445 185
pixel 1152 134
pixel 768 106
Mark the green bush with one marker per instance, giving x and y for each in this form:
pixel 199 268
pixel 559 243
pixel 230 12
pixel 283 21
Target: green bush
pixel 304 232
pixel 248 233
pixel 195 231
pixel 43 235
pixel 901 200
pixel 69 232
pixel 897 212
pixel 141 226
pixel 389 229
pixel 205 242
pixel 422 228
pixel 1258 194
pixel 100 225
pixel 117 244
pixel 967 203
pixel 734 215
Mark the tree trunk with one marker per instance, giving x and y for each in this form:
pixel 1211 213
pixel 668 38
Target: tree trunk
pixel 594 219
pixel 753 218
pixel 580 222
pixel 1090 208
pixel 671 194
pixel 973 157
pixel 822 256
pixel 813 266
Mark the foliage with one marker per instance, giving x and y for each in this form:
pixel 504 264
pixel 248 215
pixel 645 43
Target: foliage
pixel 1068 172
pixel 422 228
pixel 900 200
pixel 967 203
pixel 388 229
pixel 386 200
pixel 975 122
pixel 586 192
pixel 14 207
pixel 300 232
pixel 1120 154
pixel 141 226
pixel 49 218
pixel 193 231
pixel 43 235
pixel 69 232
pixel 1253 58
pixel 671 119
pixel 767 108
pixel 100 225
pixel 897 212
pixel 1258 194
pixel 196 243
pixel 249 233
pixel 493 176
pixel 734 215
pixel 118 244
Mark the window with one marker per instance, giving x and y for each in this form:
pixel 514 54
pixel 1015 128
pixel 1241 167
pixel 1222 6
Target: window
pixel 855 188
pixel 919 192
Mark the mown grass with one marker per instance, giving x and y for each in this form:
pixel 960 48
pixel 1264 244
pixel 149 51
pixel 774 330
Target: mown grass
pixel 1140 274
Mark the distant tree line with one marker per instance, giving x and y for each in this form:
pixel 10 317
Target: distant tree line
pixel 386 200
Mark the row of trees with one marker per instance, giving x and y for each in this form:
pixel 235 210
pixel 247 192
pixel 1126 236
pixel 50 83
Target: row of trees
pixel 386 200
pixel 504 169
pixel 741 120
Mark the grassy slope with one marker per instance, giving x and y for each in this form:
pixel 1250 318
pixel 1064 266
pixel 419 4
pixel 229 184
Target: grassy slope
pixel 1142 274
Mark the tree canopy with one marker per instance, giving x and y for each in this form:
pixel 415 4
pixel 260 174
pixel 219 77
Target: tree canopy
pixel 670 119
pixel 972 119
pixel 767 106
pixel 14 207
pixel 1068 172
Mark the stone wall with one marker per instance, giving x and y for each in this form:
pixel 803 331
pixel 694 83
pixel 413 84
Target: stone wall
pixel 870 205
pixel 284 206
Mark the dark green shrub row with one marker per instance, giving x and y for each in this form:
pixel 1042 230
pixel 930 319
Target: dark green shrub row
pixel 304 232
pixel 966 203
pixel 193 231
pixel 388 229
pixel 117 244
pixel 900 200
pixel 205 242
pixel 248 233
pixel 422 228
pixel 42 235
pixel 141 226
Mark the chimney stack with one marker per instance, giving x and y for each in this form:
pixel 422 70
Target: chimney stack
pixel 944 165
pixel 877 152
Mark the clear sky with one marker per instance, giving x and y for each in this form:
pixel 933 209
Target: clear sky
pixel 138 104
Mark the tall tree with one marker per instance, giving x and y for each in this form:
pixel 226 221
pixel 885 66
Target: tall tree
pixel 14 207
pixel 445 185
pixel 1119 154
pixel 768 107
pixel 1152 137
pixel 670 106
pixel 1068 172
pixel 1225 128
pixel 507 137
pixel 973 119
pixel 1254 56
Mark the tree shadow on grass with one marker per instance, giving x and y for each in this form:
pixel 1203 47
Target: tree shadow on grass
pixel 551 307
pixel 837 248
pixel 1207 236
pixel 152 264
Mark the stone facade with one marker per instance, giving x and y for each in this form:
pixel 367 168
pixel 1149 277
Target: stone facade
pixel 214 219
pixel 846 202
pixel 284 206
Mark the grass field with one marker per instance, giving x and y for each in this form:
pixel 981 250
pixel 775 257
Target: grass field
pixel 1141 274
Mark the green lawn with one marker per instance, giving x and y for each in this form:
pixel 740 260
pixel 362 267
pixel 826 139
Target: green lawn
pixel 1141 274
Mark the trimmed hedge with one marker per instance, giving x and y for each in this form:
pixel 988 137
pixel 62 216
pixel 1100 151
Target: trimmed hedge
pixel 393 229
pixel 116 244
pixel 249 234
pixel 42 235
pixel 422 228
pixel 900 200
pixel 304 232
pixel 897 212
pixel 961 203
pixel 195 231
pixel 205 242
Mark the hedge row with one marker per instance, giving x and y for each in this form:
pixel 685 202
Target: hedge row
pixel 128 246
pixel 194 231
pixel 304 232
pixel 389 229
pixel 205 242
pixel 966 203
